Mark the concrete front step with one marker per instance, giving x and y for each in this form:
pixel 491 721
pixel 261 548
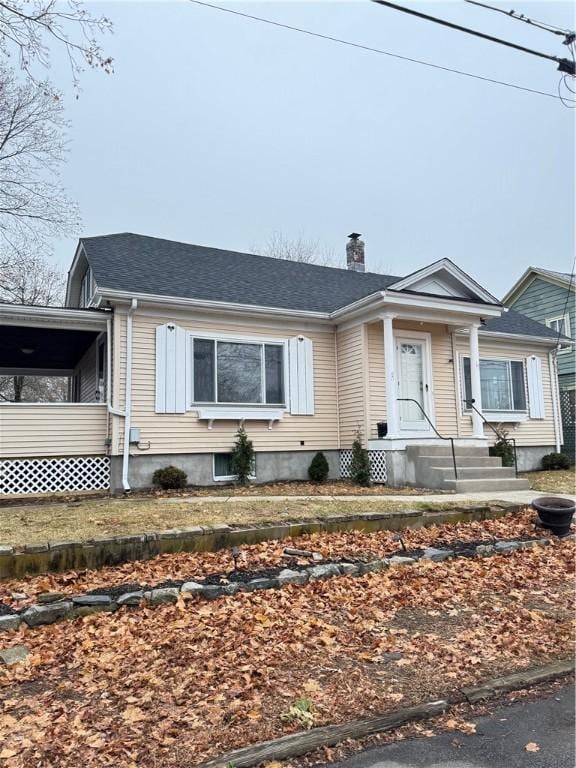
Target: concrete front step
pixel 461 461
pixel 487 486
pixel 475 473
pixel 446 450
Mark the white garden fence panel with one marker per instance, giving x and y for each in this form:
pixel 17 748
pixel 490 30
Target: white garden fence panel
pixel 377 465
pixel 54 475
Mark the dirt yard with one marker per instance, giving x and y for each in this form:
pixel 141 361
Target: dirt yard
pixel 174 685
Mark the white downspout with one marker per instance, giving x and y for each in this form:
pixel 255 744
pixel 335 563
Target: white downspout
pixel 555 400
pixel 128 396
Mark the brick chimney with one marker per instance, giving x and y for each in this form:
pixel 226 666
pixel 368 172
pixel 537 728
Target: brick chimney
pixel 355 252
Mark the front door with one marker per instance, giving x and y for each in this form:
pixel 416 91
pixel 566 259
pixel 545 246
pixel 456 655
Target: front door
pixel 412 366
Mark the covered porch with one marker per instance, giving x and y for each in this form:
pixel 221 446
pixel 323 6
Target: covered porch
pixel 54 385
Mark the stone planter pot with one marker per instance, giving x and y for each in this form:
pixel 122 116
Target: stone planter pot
pixel 555 513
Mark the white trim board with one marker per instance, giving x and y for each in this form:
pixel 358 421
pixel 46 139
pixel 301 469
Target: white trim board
pixel 452 269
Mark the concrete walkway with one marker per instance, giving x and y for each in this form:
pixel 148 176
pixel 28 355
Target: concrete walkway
pixel 513 497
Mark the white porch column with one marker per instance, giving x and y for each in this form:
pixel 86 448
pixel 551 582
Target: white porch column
pixel 477 425
pixel 391 376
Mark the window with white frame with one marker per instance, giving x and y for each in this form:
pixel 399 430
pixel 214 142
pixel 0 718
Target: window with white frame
pixel 561 325
pixel 227 371
pixel 222 469
pixel 502 385
pixel 86 288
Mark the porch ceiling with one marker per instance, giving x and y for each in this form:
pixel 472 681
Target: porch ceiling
pixel 51 348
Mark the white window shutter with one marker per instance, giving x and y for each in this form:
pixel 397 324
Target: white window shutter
pixel 171 368
pixel 535 387
pixel 301 376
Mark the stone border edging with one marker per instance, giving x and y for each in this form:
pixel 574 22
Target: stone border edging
pixel 86 604
pixel 33 559
pixel 297 744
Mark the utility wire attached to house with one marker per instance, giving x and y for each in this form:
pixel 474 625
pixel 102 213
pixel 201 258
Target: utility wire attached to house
pixel 380 51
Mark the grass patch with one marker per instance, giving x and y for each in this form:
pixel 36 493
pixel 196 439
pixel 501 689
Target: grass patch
pixel 104 517
pixel 557 481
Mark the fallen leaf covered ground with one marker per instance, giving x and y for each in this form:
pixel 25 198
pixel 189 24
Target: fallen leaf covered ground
pixel 191 565
pixel 177 684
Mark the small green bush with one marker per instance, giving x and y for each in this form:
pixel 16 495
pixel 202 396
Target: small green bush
pixel 360 464
pixel 555 461
pixel 243 457
pixel 170 478
pixel 318 469
pixel 504 450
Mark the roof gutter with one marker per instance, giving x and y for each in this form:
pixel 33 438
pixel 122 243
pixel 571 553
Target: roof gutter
pixel 128 396
pixel 549 341
pixel 112 294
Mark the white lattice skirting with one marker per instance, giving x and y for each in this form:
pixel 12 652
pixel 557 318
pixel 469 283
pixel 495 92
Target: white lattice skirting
pixel 377 464
pixel 73 473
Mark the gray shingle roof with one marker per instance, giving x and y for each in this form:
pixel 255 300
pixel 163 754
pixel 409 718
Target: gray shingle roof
pixel 514 322
pixel 150 265
pixel 140 264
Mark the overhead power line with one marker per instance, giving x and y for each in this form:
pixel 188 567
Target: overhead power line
pixel 370 49
pixel 520 17
pixel 564 65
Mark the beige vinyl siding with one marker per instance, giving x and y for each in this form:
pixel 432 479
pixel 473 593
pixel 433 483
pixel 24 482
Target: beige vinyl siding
pixel 86 371
pixel 442 374
pixel 531 431
pixel 52 430
pixel 351 384
pixel 186 433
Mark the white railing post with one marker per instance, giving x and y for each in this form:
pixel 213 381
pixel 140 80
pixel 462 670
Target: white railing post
pixel 476 390
pixel 391 376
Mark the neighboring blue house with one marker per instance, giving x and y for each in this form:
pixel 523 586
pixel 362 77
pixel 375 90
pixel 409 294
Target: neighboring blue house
pixel 548 297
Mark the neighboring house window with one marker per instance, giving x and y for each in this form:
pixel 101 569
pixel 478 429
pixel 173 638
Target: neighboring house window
pixel 237 372
pixel 561 325
pixel 86 288
pixel 501 384
pixel 223 467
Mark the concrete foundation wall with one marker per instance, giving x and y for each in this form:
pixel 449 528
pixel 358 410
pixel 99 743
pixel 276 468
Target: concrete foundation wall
pixel 530 458
pixel 270 466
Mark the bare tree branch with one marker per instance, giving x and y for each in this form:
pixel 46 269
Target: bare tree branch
pixel 299 248
pixel 33 205
pixel 28 28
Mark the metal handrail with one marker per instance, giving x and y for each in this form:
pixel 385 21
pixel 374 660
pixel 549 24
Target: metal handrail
pixel 442 437
pixel 499 435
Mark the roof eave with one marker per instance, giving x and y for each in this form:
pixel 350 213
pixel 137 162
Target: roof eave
pixel 548 340
pixel 113 294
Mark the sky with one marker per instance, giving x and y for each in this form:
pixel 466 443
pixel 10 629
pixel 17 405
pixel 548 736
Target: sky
pixel 221 131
